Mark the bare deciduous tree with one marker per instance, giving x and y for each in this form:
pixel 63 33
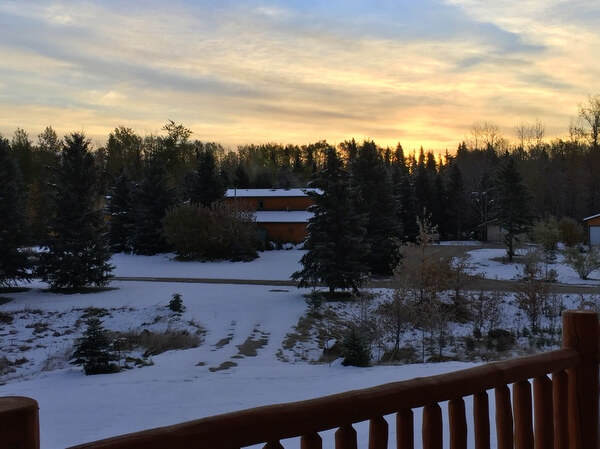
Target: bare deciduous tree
pixel 589 112
pixel 395 315
pixel 530 134
pixel 532 292
pixel 486 135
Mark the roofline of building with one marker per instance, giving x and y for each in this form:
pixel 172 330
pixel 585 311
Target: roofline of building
pixel 298 192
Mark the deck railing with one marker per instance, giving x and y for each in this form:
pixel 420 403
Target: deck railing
pixel 561 413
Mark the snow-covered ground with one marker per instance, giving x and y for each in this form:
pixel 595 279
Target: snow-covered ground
pixel 271 265
pixel 490 263
pixel 218 376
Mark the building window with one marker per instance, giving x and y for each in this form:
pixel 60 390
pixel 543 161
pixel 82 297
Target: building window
pixel 261 204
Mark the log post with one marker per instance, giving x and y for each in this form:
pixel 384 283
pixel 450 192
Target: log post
pixel 560 396
pixel 405 431
pixel 580 332
pixel 19 423
pixel 481 420
pixel 378 433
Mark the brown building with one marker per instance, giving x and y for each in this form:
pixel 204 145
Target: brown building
pixel 281 213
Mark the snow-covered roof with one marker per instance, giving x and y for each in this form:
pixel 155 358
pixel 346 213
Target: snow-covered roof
pixel 277 216
pixel 263 193
pixel 589 218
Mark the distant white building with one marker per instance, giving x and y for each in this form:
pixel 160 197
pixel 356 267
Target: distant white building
pixel 593 224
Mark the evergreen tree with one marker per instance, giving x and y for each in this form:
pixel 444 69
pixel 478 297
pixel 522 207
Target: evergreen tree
pixel 405 195
pixel 375 201
pixel 241 179
pixel 93 350
pixel 124 153
pixel 455 192
pixel 439 204
pixel 22 149
pixel 77 254
pixel 119 210
pixel 424 185
pixel 512 203
pixel 150 200
pixel 335 233
pixel 14 262
pixel 355 349
pixel 205 185
pixel 39 196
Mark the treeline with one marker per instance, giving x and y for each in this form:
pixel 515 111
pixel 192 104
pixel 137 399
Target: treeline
pixel 455 189
pixel 136 180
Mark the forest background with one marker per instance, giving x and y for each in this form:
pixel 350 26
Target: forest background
pixel 148 175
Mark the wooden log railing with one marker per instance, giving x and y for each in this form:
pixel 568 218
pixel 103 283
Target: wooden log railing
pixel 560 412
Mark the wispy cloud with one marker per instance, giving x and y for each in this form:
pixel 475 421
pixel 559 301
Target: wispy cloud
pixel 255 71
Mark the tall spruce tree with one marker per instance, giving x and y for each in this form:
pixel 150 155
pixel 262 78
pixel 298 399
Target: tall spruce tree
pixel 119 210
pixel 404 194
pixel 150 200
pixel 205 185
pixel 375 201
pixel 14 262
pixel 77 253
pixel 512 203
pixel 455 192
pixel 335 241
pixel 39 197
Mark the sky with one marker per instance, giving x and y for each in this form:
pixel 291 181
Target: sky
pixel 235 72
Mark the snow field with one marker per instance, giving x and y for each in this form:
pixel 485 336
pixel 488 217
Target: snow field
pixel 238 321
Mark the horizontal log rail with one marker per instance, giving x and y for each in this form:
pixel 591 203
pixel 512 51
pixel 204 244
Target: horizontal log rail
pixel 281 421
pixel 560 412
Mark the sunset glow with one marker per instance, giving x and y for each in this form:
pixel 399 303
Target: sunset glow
pixel 419 73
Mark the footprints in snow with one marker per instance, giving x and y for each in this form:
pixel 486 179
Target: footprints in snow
pixel 249 348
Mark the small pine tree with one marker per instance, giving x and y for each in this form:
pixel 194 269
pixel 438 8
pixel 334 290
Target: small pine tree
pixel 77 253
pixel 176 303
pixel 355 350
pixel 93 350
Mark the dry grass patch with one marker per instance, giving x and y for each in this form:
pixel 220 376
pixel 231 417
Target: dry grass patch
pixel 154 343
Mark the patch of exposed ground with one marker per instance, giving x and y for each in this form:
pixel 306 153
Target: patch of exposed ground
pixel 223 366
pixel 223 342
pixel 313 331
pixel 253 343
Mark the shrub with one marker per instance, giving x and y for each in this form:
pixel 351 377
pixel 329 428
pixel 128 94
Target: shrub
pixel 220 231
pixel 582 262
pixel 500 340
pixel 176 303
pixel 6 318
pixel 547 234
pixel 405 354
pixel 571 232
